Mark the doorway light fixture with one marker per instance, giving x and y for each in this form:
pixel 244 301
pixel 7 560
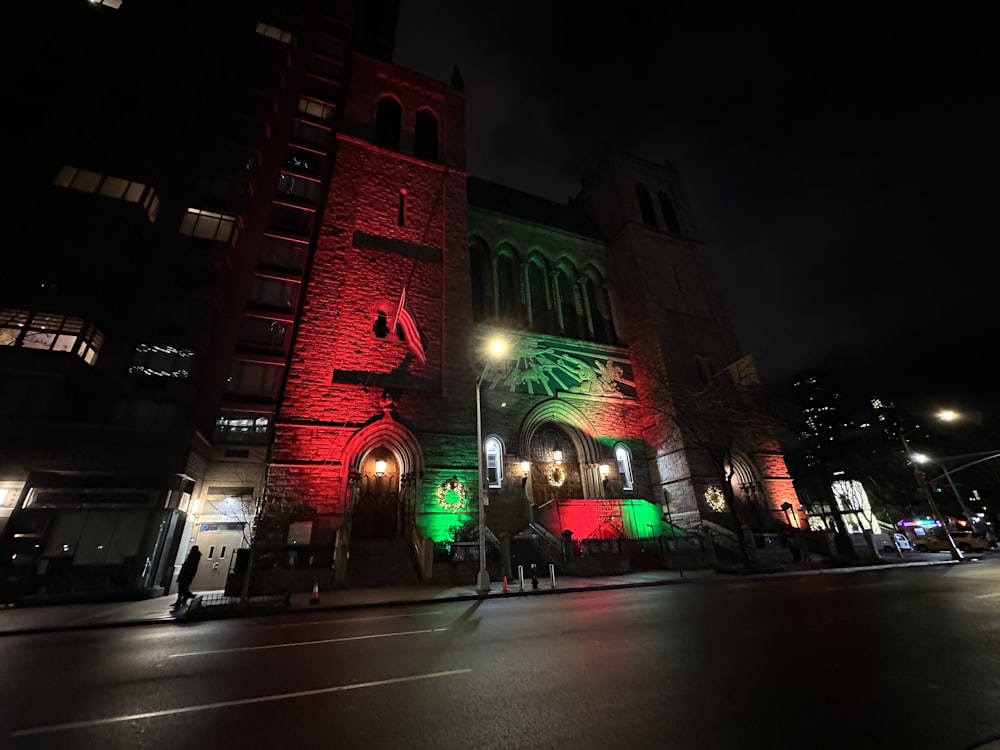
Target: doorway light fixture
pixel 380 467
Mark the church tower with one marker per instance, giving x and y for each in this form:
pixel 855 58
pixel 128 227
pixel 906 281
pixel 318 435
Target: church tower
pixel 670 311
pixel 380 375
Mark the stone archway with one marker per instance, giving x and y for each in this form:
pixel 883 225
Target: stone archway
pixel 377 509
pixel 555 424
pixel 373 500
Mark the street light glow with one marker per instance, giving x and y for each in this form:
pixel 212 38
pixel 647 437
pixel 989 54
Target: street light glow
pixel 497 347
pixel 921 458
pixel 947 415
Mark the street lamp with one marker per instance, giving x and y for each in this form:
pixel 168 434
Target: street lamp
pixel 956 553
pixel 924 459
pixel 495 349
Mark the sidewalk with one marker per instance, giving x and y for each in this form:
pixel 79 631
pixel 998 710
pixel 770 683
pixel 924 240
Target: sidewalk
pixel 93 615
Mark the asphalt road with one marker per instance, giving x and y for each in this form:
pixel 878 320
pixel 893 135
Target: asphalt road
pixel 889 659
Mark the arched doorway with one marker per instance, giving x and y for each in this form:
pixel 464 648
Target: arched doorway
pixel 555 465
pixel 377 510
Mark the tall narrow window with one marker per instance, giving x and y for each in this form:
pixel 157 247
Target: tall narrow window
pixel 388 120
pixel 381 325
pixel 537 303
pixel 624 459
pixel 508 290
pixel 425 136
pixel 493 450
pixel 645 205
pixel 401 209
pixel 482 281
pixel 597 311
pixel 567 304
pixel 669 215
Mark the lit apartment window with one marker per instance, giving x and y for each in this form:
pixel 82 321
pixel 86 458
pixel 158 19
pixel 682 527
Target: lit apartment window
pixel 248 429
pixel 107 3
pixel 207 225
pixel 315 109
pixel 494 462
pixel 57 333
pixel 624 459
pixel 9 492
pixel 273 32
pixel 162 361
pixel 88 181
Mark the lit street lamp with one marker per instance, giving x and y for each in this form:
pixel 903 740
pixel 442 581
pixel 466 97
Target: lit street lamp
pixel 496 348
pixel 920 458
pixel 956 553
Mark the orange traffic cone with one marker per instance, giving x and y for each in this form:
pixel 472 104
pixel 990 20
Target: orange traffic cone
pixel 314 599
pixel 505 584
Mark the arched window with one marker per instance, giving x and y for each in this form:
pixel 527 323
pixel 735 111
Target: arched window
pixel 669 215
pixel 566 304
pixel 598 311
pixel 508 290
pixel 381 325
pixel 482 281
pixel 624 459
pixel 538 305
pixel 493 450
pixel 425 136
pixel 645 205
pixel 388 121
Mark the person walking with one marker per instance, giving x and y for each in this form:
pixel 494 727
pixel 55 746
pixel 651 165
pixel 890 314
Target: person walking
pixel 186 576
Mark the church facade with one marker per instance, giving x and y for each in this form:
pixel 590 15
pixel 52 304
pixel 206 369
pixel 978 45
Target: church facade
pixel 288 318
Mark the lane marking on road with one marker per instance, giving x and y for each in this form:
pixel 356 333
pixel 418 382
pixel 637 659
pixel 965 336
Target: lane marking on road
pixel 240 702
pixel 862 585
pixel 350 619
pixel 987 596
pixel 308 643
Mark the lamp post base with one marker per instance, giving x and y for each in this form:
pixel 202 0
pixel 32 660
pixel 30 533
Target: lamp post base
pixel 483 582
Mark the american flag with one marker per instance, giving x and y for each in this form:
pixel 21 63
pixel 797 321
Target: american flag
pixel 408 328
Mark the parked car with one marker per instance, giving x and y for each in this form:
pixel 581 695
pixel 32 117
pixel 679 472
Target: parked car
pixel 967 541
pixel 901 542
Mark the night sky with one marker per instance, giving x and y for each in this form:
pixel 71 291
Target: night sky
pixel 839 160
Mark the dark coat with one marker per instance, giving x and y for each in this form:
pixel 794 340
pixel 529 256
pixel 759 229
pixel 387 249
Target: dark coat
pixel 189 568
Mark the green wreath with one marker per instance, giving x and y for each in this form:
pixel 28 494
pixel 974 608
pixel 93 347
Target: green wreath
pixel 556 475
pixel 452 495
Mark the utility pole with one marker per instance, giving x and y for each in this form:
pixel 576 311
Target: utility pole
pixel 956 553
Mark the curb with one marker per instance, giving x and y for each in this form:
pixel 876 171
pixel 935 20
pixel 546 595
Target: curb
pixel 206 614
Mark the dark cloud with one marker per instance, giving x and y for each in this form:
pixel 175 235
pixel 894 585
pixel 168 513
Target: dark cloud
pixel 840 160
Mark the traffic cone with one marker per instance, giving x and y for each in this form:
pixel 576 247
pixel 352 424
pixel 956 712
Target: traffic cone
pixel 505 584
pixel 314 599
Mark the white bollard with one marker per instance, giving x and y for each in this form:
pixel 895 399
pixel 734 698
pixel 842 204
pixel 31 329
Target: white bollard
pixel 552 574
pixel 520 576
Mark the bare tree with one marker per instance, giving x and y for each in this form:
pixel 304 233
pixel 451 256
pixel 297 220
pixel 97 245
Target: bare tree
pixel 719 417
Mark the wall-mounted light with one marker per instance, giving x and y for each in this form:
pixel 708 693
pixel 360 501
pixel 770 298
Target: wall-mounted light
pixel 605 470
pixel 557 456
pixel 525 470
pixel 380 467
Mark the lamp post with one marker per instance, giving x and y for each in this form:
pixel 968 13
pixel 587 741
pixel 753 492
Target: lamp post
pixel 921 458
pixel 496 348
pixel 956 553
